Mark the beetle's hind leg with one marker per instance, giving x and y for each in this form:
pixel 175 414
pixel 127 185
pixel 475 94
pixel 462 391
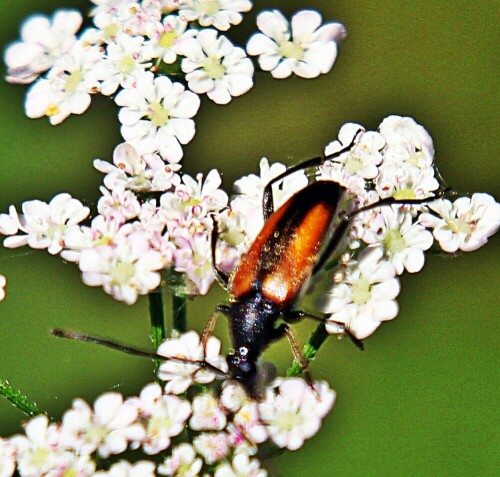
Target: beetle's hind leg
pixel 300 358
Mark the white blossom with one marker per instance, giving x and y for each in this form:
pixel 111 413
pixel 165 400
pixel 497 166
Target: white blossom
pixel 43 41
pixel 365 296
pixel 216 67
pixel 293 412
pixel 402 240
pixel 304 48
pixel 45 224
pixel 125 269
pixel 3 284
pixel 180 375
pixel 464 225
pixel 182 463
pixel 212 446
pixel 108 428
pixel 142 468
pixel 165 38
pixel 138 173
pixel 220 14
pixel 7 458
pixel 124 63
pixel 118 205
pixel 241 466
pixel 156 114
pixel 68 86
pixel 208 414
pixel 165 417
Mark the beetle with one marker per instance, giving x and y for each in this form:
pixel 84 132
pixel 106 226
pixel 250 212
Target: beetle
pixel 293 246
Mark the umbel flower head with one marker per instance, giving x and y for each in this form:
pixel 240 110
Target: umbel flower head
pixel 225 426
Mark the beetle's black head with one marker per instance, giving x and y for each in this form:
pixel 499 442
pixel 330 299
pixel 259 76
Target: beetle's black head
pixel 242 368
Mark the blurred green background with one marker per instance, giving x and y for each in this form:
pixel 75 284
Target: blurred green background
pixel 423 398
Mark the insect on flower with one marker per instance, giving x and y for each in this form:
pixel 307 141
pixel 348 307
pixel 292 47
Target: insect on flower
pixel 294 245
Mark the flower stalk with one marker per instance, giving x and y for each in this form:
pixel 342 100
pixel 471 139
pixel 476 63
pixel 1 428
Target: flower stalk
pixel 310 349
pixel 157 317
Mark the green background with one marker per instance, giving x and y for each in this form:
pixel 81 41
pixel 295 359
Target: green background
pixel 423 398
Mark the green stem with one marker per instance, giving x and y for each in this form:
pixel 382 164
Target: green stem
pixel 157 316
pixel 179 312
pixel 19 400
pixel 310 349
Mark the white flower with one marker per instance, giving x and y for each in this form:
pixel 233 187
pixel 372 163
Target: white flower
pixel 43 41
pixel 125 269
pixel 207 414
pixel 352 168
pixel 3 284
pixel 142 468
pixel 123 64
pixel 405 183
pixel 408 143
pixel 403 241
pixel 220 14
pixel 241 466
pixel 166 415
pixel 293 412
pixel 155 116
pixel 212 446
pixel 108 429
pixel 45 224
pixel 182 463
pixel 216 67
pixel 136 172
pixel 305 49
pixel 181 375
pixel 165 38
pixel 7 459
pixel 466 224
pixel 9 223
pixel 119 205
pixel 115 16
pixel 250 190
pixel 37 452
pixel 194 258
pixel 68 85
pixel 365 297
pixel 78 238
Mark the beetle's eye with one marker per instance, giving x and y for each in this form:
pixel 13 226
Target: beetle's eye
pixel 243 351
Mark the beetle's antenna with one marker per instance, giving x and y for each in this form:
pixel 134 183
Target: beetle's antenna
pixel 134 351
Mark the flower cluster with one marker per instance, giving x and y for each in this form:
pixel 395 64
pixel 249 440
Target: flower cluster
pixel 216 431
pixel 395 162
pixel 143 53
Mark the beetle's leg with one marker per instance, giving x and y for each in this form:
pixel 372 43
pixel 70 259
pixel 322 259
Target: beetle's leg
pixel 268 203
pixel 299 357
pixel 343 328
pixel 392 201
pixel 221 277
pixel 209 327
pixel 346 221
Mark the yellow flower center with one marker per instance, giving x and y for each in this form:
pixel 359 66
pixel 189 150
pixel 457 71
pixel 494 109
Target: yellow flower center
pixel 73 80
pixel 127 64
pixel 353 164
pixel 404 194
pixel 168 38
pixel 209 7
pixel 158 114
pixel 394 241
pixel 214 68
pixel 361 291
pixel 288 49
pixel 122 272
pixel 51 110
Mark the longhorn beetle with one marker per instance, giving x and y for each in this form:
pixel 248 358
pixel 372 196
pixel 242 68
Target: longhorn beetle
pixel 294 244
